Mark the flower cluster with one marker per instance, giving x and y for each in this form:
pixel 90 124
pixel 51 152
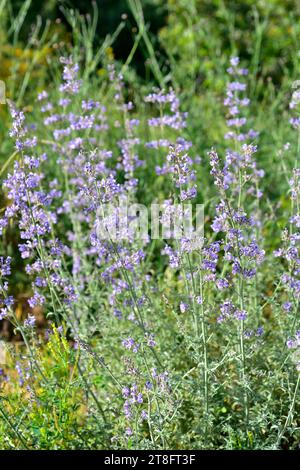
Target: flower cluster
pixel 78 247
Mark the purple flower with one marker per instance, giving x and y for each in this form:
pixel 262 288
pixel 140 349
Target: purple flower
pixel 5 269
pixel 130 344
pixel 3 313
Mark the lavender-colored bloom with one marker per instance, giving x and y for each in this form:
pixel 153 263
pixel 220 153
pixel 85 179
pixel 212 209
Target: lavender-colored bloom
pixel 30 321
pixel 222 283
pixel 130 344
pixel 183 307
pixel 71 83
pixel 287 306
pixel 241 315
pixel 36 300
pixel 259 331
pixel 148 385
pixel 128 432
